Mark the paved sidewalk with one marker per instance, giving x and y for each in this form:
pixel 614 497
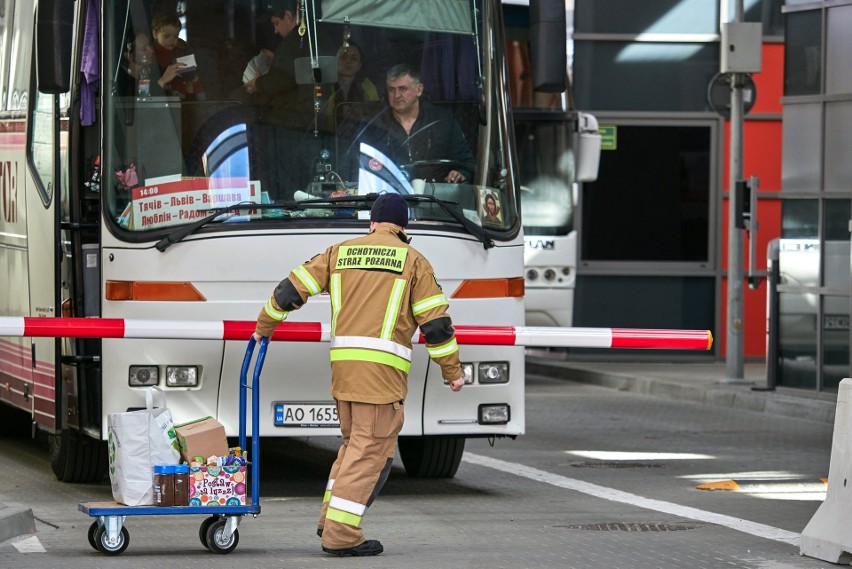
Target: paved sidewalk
pixel 699 382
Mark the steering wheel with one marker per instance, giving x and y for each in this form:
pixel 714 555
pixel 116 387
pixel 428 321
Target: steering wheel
pixel 433 170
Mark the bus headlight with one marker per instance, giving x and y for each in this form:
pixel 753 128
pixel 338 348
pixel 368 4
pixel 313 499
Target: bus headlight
pixel 494 372
pixel 143 376
pixel 181 376
pixel 494 414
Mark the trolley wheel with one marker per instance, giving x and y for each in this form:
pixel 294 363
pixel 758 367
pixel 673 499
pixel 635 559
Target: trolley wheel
pixel 105 548
pixel 91 535
pixel 216 541
pixel 202 531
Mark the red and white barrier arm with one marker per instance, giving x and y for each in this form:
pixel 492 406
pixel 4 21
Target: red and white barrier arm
pixel 320 332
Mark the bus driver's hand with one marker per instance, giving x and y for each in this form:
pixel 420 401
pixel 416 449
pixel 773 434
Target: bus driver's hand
pixel 454 177
pixel 457 384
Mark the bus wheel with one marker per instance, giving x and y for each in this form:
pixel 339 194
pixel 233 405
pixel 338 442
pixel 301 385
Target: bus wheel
pixel 432 456
pixel 75 457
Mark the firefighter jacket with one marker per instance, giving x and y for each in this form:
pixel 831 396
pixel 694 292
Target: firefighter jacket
pixel 381 290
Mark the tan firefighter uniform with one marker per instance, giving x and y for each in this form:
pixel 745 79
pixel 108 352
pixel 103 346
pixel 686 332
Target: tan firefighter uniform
pixel 381 290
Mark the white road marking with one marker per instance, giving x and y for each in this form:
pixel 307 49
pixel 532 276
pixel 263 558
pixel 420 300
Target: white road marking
pixel 29 545
pixel 745 526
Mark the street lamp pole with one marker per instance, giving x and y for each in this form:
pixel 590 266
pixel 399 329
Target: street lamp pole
pixel 734 371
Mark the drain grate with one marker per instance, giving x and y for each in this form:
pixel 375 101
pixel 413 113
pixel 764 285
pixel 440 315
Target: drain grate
pixel 616 464
pixel 630 526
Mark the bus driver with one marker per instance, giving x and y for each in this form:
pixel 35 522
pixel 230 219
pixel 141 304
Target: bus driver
pixel 414 130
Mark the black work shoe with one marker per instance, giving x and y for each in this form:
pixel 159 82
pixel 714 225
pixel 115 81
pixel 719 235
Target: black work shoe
pixel 369 547
pixel 319 532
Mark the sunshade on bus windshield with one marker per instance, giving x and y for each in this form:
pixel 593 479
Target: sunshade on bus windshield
pixel 449 16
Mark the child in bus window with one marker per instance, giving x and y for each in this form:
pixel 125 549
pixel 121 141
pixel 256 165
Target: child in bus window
pixel 168 48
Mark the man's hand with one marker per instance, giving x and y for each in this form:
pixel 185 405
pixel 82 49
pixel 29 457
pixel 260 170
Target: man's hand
pixel 454 177
pixel 257 337
pixel 457 384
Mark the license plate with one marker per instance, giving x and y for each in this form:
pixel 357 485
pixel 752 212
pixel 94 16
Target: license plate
pixel 306 414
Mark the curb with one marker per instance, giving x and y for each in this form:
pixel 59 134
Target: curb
pixel 737 397
pixel 15 522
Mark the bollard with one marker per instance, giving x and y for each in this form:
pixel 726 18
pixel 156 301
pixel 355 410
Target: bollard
pixel 772 315
pixel 828 536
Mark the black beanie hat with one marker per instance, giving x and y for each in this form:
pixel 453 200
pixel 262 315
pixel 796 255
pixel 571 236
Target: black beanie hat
pixel 390 208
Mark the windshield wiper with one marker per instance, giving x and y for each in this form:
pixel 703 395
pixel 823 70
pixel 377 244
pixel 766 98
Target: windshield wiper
pixel 179 234
pixel 331 203
pixel 452 209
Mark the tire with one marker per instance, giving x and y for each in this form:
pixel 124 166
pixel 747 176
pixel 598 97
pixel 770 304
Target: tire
pixel 103 547
pixel 215 531
pixel 432 456
pixel 75 457
pixel 91 535
pixel 202 531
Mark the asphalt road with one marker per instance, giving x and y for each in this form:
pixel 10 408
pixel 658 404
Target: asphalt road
pixel 602 479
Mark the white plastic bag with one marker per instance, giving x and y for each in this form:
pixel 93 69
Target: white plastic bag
pixel 139 440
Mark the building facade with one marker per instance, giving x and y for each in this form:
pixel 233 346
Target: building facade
pixel 653 230
pixel 814 252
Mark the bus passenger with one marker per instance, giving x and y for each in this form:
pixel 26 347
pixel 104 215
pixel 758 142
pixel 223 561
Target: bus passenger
pixel 139 55
pixel 416 131
pixel 347 113
pixel 382 290
pixel 167 48
pixel 286 108
pixel 350 86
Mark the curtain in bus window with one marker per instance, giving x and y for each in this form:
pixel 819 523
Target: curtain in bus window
pixel 451 16
pixel 89 65
pixel 448 68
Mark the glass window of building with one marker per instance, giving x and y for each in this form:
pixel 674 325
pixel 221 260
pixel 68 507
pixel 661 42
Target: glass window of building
pixel 637 76
pixel 803 53
pixel 651 199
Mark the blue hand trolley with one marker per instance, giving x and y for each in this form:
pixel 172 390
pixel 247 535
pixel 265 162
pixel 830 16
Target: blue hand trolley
pixel 218 532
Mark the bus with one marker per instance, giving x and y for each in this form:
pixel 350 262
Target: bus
pixel 121 200
pixel 558 149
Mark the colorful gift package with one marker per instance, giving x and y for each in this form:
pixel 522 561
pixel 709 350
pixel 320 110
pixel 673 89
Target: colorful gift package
pixel 217 485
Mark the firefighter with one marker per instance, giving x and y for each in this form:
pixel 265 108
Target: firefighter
pixel 381 290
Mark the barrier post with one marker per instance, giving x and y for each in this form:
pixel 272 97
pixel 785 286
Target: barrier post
pixel 828 536
pixel 773 306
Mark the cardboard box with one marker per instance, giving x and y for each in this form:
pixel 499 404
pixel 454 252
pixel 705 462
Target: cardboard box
pixel 217 485
pixel 204 437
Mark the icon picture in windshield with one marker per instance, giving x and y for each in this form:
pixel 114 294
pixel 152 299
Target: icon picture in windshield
pixel 490 209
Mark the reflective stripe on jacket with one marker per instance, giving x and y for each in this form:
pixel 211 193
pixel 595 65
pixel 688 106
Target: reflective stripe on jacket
pixel 381 290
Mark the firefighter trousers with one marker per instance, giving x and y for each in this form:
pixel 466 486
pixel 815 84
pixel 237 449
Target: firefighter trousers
pixel 361 469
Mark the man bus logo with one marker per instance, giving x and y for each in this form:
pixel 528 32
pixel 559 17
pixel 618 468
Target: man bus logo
pixel 546 244
pixel 9 190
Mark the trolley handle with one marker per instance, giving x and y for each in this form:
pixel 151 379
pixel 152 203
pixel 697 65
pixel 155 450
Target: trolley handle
pixel 255 395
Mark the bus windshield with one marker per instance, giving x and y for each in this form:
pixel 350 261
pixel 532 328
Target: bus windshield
pixel 221 103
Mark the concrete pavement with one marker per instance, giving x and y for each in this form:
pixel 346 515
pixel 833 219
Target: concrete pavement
pixel 696 382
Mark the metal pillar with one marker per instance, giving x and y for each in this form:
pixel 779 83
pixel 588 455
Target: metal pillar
pixel 734 372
